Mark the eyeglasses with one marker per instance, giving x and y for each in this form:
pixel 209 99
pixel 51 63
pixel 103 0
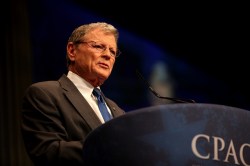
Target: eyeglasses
pixel 99 48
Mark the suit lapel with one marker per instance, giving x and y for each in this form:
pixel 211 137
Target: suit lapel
pixel 79 102
pixel 115 113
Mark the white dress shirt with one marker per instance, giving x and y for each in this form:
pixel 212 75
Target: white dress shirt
pixel 86 90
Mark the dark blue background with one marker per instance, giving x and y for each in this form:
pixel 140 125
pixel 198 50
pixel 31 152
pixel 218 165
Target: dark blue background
pixel 204 46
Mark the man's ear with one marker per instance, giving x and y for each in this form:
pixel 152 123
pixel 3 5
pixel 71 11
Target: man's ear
pixel 71 51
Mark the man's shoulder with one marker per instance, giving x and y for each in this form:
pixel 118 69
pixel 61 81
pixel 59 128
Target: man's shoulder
pixel 46 84
pixel 49 82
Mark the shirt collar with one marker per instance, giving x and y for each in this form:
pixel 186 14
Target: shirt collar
pixel 80 83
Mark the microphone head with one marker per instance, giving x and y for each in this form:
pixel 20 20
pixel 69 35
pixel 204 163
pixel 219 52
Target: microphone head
pixel 178 100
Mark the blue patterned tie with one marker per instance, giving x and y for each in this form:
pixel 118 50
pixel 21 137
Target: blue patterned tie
pixel 101 104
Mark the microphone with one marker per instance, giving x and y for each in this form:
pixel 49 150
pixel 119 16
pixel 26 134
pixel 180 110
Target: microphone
pixel 178 100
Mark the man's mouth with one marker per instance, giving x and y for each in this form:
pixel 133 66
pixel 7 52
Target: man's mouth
pixel 103 65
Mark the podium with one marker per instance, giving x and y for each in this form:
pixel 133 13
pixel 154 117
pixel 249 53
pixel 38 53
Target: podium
pixel 172 135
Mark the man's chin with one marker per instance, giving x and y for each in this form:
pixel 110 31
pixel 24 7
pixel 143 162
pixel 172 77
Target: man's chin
pixel 103 74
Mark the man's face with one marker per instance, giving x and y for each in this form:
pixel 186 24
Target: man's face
pixel 92 59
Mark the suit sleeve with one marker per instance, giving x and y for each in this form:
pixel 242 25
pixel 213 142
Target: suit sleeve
pixel 45 136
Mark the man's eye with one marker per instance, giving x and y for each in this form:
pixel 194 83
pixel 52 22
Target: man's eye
pixel 112 52
pixel 98 46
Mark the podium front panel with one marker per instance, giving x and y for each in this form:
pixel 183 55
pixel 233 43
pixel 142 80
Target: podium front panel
pixel 172 135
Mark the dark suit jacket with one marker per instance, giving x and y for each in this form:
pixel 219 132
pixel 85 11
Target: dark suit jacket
pixel 56 120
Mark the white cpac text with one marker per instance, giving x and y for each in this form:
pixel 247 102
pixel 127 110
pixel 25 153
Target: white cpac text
pixel 220 146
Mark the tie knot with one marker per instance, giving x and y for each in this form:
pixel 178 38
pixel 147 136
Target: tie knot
pixel 97 93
